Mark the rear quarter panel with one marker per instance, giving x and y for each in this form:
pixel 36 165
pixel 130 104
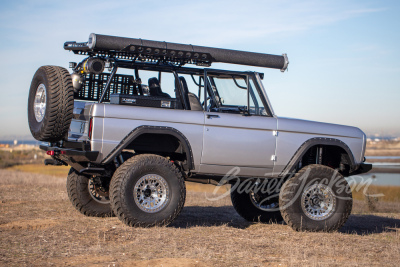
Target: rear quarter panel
pixel 111 123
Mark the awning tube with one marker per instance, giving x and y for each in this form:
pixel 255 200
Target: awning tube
pixel 106 42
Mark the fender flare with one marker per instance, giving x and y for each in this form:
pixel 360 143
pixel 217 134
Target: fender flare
pixel 154 130
pixel 317 141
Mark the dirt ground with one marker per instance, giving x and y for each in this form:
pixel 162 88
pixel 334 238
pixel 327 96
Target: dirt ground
pixel 39 227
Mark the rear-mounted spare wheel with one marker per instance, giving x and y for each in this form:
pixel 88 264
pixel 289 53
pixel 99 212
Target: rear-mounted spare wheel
pixel 50 103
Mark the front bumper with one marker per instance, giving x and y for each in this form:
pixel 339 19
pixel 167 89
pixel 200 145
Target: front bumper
pixel 362 168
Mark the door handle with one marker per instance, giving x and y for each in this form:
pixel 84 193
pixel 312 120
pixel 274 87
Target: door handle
pixel 210 116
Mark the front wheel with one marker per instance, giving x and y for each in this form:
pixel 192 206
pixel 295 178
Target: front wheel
pixel 317 198
pixel 256 205
pixel 147 190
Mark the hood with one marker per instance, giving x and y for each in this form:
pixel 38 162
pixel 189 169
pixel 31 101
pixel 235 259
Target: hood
pixel 318 128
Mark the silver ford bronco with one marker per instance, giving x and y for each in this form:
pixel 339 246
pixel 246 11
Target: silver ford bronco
pixel 134 137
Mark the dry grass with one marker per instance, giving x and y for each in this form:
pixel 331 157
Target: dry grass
pixel 390 193
pixel 61 171
pixel 17 156
pixel 39 226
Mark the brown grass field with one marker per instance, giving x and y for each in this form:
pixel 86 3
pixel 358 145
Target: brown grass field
pixel 383 148
pixel 39 227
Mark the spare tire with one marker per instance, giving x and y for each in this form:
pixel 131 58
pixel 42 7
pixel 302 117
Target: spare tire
pixel 50 103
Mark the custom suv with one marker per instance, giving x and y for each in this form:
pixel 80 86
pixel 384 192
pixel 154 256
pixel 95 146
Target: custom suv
pixel 134 137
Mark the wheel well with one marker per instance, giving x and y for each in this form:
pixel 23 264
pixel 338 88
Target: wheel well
pixel 165 145
pixel 160 140
pixel 328 155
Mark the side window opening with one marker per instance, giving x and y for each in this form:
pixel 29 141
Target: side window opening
pixel 151 88
pixel 158 84
pixel 192 82
pixel 194 86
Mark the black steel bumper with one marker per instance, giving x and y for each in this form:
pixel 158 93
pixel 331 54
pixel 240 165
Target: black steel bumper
pixel 362 168
pixel 71 154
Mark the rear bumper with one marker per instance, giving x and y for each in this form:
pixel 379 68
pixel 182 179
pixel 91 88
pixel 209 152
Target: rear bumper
pixel 71 154
pixel 78 156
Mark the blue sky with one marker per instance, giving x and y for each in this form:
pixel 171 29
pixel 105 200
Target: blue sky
pixel 344 55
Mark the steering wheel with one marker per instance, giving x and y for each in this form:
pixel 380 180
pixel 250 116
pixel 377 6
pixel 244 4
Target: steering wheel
pixel 211 105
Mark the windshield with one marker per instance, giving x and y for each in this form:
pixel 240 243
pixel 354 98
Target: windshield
pixel 231 95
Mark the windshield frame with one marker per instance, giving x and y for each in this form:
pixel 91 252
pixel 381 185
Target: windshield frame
pixel 250 93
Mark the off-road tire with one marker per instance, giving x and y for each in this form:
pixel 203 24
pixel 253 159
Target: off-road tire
pixel 129 174
pixel 291 194
pixel 59 104
pixel 244 206
pixel 82 200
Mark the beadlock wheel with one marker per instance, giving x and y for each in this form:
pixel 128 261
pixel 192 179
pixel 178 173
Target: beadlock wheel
pixel 87 196
pixel 264 202
pixel 151 193
pixel 98 193
pixel 317 198
pixel 318 202
pixel 147 190
pixel 256 206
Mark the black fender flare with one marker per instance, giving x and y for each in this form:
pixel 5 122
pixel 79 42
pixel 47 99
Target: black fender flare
pixel 317 141
pixel 155 130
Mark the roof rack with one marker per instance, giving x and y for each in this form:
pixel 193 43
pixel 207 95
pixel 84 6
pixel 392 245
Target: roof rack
pixel 146 50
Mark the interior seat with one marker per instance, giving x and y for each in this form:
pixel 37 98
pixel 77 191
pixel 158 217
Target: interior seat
pixel 191 98
pixel 155 88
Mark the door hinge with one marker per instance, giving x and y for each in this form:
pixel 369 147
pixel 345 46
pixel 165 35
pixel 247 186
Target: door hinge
pixel 273 157
pixel 275 133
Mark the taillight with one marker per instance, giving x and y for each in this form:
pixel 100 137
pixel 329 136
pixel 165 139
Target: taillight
pixel 90 128
pixel 56 152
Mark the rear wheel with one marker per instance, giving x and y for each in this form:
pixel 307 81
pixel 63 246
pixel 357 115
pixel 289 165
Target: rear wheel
pixel 89 196
pixel 147 190
pixel 317 198
pixel 256 206
pixel 50 103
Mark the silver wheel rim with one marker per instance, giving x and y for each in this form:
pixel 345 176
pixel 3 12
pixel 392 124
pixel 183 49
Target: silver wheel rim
pixel 98 194
pixel 318 202
pixel 39 106
pixel 151 193
pixel 262 205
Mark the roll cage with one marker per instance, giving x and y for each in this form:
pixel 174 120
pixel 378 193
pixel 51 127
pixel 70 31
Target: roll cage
pixel 99 87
